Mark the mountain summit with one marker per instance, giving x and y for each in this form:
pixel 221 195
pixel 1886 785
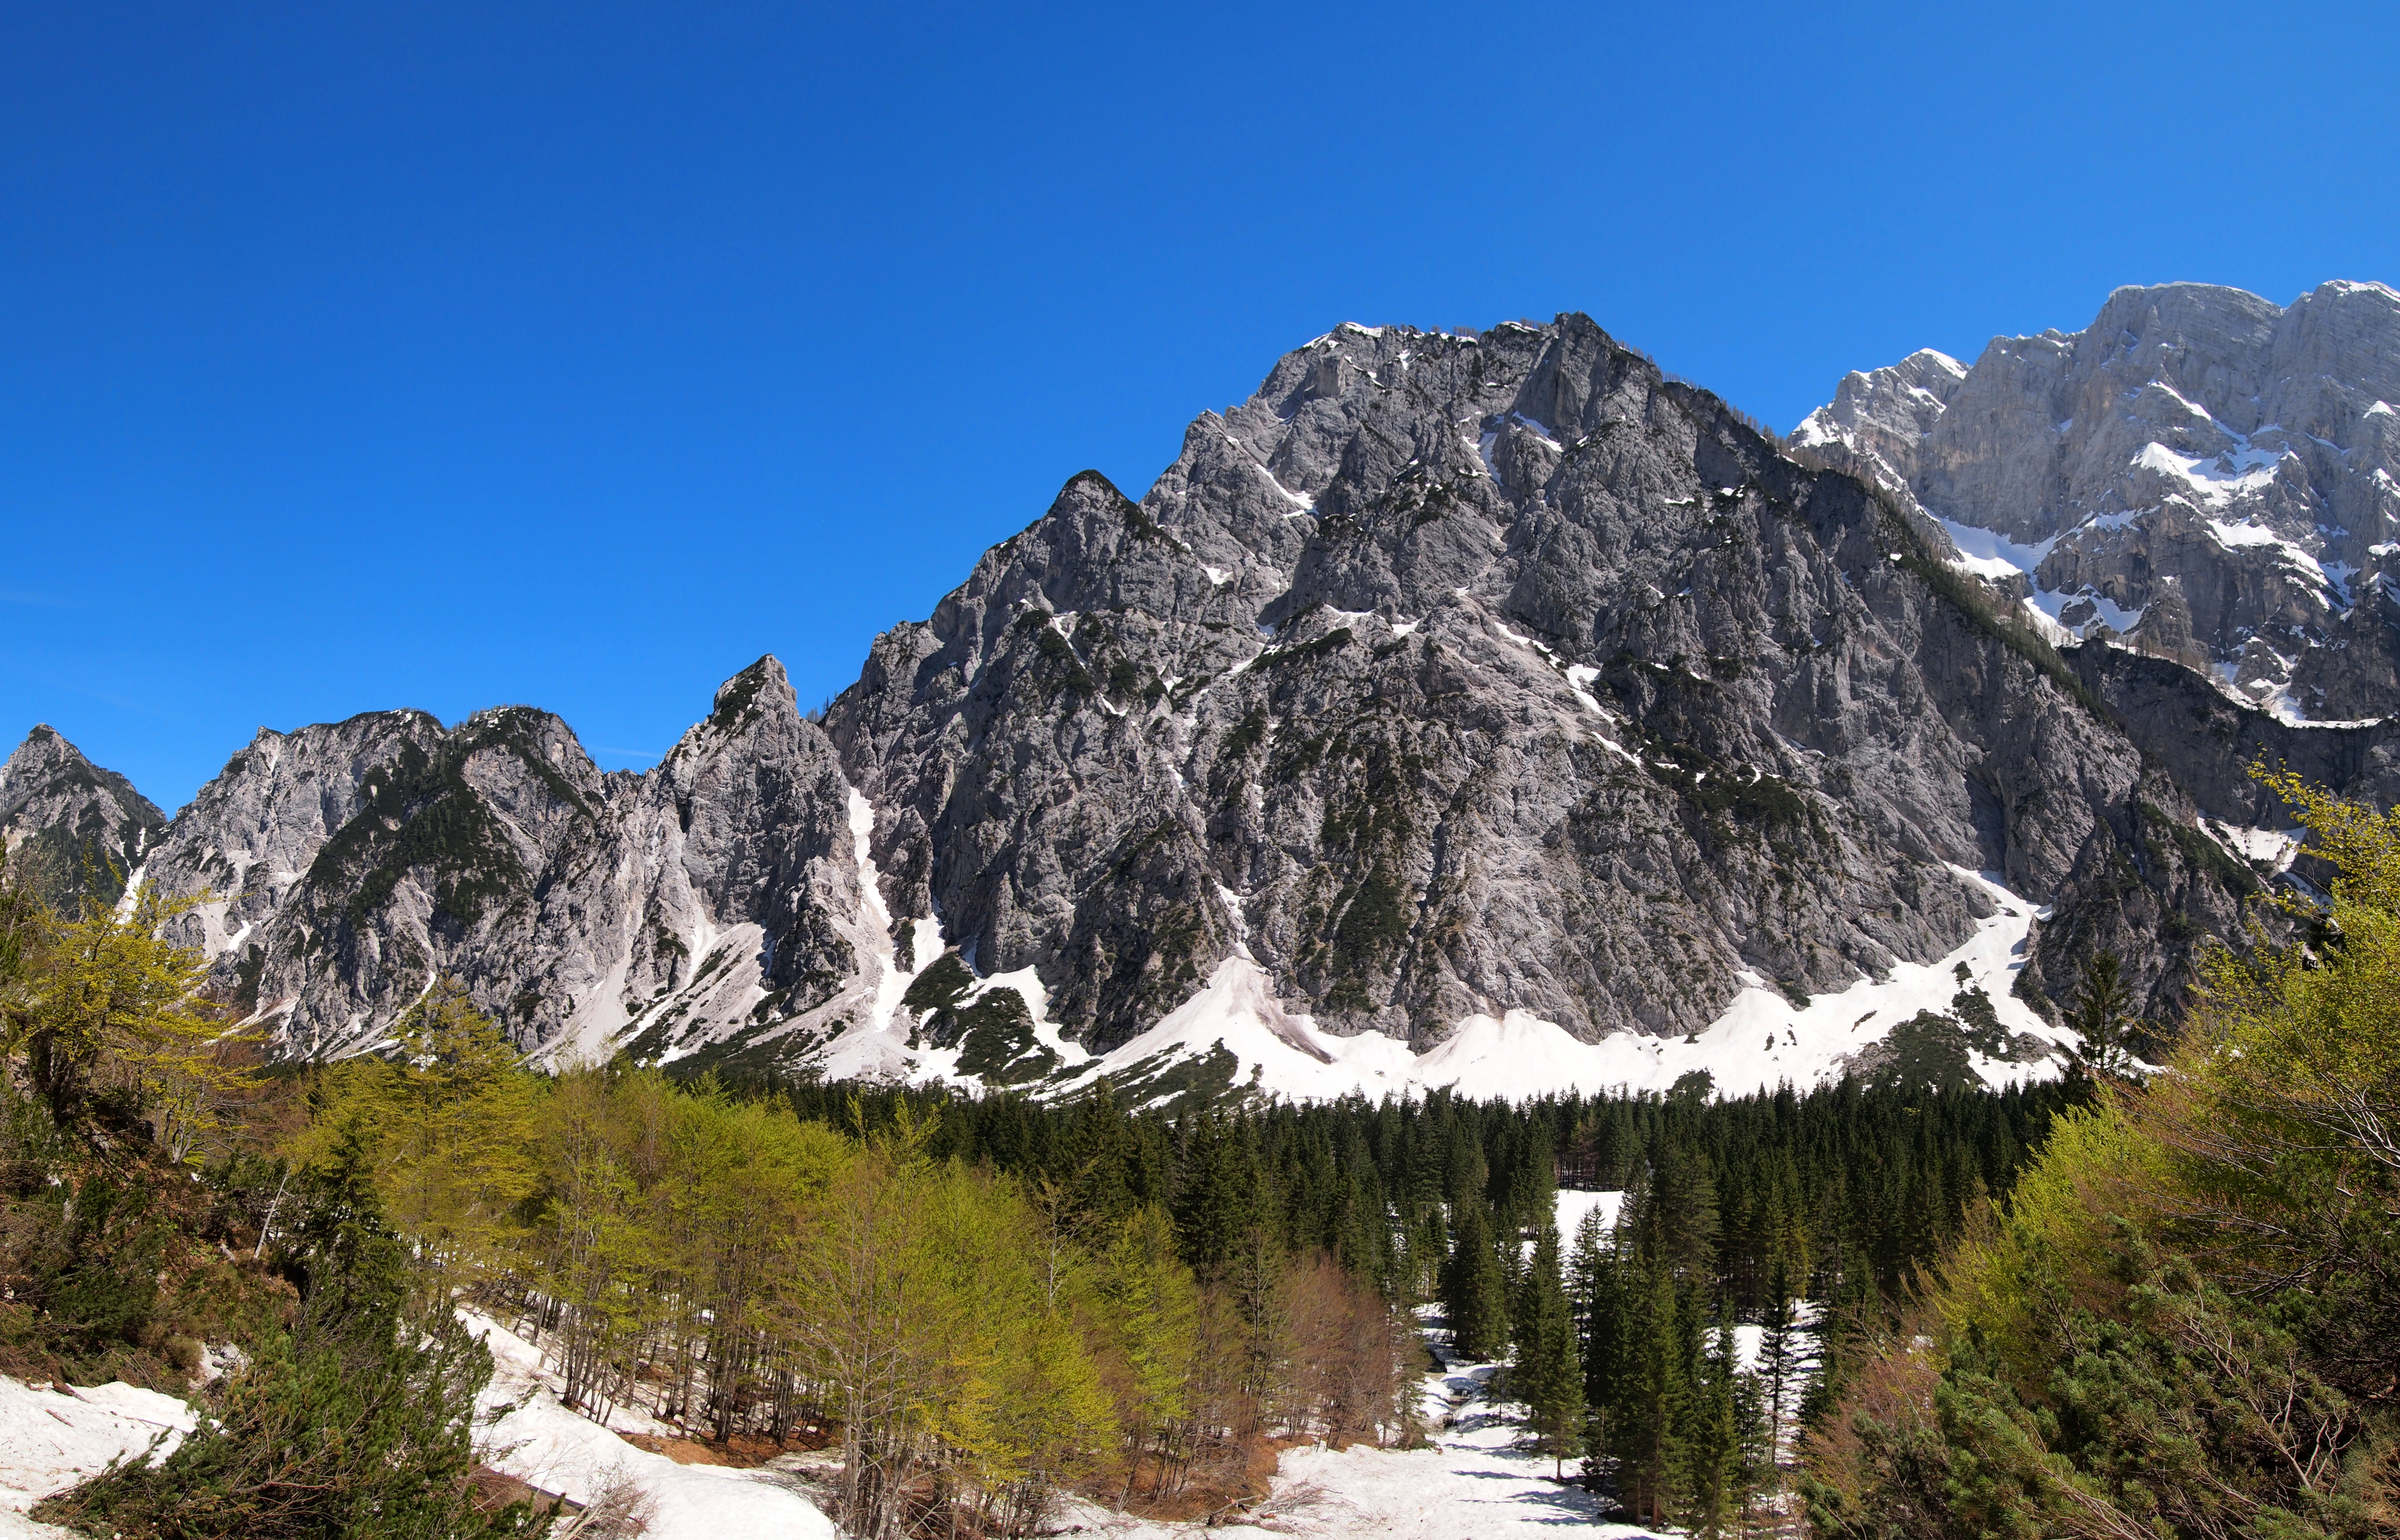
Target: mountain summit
pixel 1483 709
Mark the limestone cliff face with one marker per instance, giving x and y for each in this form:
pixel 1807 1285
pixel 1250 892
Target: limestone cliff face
pixel 342 867
pixel 1449 675
pixel 2211 477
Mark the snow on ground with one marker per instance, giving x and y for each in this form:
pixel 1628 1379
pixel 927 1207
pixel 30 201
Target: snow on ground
pixel 1572 1206
pixel 541 1442
pixel 1471 1482
pixel 53 1437
pixel 1761 1040
pixel 1988 553
pixel 2216 481
pixel 2276 847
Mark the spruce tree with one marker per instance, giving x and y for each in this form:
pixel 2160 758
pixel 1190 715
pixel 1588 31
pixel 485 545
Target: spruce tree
pixel 1779 1358
pixel 1600 1304
pixel 1755 1469
pixel 1548 1378
pixel 1475 1293
pixel 2103 1017
pixel 1711 1442
pixel 1645 1402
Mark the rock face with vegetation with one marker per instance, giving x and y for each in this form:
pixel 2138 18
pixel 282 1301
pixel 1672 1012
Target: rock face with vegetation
pixel 71 828
pixel 1447 676
pixel 342 868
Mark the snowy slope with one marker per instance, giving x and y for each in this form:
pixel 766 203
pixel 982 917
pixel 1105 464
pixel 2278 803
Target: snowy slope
pixel 1762 1040
pixel 543 1443
pixel 1470 1482
pixel 53 1439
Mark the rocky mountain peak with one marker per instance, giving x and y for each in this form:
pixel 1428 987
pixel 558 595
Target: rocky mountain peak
pixel 73 829
pixel 2201 473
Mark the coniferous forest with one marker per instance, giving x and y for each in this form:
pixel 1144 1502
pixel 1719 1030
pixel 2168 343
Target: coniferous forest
pixel 2141 1301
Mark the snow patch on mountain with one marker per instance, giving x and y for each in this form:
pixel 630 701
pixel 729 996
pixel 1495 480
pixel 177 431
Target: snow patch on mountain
pixel 1761 1040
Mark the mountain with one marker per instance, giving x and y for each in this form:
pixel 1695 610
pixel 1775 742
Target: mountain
pixel 1487 710
pixel 2200 475
pixel 73 829
pixel 343 867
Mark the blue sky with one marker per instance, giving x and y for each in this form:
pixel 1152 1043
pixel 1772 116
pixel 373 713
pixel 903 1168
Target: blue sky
pixel 444 356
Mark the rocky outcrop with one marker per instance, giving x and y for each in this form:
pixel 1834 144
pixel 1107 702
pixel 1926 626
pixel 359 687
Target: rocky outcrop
pixel 1453 674
pixel 335 872
pixel 2201 473
pixel 73 830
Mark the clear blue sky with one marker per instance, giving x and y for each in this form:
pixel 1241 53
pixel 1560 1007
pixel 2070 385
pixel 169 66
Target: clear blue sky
pixel 363 356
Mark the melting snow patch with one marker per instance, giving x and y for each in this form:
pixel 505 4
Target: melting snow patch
pixel 2214 481
pixel 1989 554
pixel 1572 1206
pixel 2275 846
pixel 541 1442
pixel 51 1439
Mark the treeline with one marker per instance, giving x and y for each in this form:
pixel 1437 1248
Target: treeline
pixel 978 1342
pixel 985 1303
pixel 1846 1189
pixel 1804 1218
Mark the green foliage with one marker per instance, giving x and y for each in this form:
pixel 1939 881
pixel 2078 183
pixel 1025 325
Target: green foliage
pixel 357 1423
pixel 445 1124
pixel 993 1032
pixel 86 1260
pixel 2103 1017
pixel 1547 1373
pixel 443 827
pixel 1475 1286
pixel 2183 1324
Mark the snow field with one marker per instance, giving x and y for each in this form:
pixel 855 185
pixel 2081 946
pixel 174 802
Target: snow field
pixel 1760 1041
pixel 1470 1482
pixel 546 1445
pixel 53 1439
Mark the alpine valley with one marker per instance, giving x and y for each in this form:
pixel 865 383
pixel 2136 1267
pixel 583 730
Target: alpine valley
pixel 1478 710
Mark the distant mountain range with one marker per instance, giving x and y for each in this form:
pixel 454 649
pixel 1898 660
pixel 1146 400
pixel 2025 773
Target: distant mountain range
pixel 1475 709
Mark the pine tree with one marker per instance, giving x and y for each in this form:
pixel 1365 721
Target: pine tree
pixel 358 1421
pixel 1779 1360
pixel 1214 1201
pixel 1547 1376
pixel 1475 1290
